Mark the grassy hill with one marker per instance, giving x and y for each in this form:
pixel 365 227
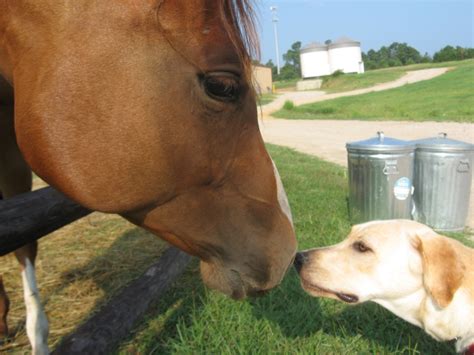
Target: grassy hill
pixel 448 97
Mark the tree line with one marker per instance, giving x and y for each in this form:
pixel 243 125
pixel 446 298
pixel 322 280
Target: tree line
pixel 396 54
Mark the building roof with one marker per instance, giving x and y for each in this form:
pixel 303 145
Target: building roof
pixel 313 47
pixel 343 41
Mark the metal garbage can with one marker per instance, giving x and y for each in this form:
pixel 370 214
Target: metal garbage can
pixel 443 175
pixel 380 178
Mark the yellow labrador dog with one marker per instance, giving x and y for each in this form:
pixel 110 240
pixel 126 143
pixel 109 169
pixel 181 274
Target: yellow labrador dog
pixel 423 277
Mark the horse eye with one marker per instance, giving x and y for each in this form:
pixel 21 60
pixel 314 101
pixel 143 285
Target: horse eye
pixel 223 86
pixel 361 247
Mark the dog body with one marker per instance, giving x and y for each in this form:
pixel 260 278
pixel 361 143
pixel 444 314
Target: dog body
pixel 423 277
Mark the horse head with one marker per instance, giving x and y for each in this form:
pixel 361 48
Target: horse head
pixel 145 108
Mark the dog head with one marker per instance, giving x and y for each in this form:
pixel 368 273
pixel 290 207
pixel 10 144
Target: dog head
pixel 383 260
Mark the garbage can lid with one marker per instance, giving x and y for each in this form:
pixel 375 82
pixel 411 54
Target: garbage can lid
pixel 381 144
pixel 442 143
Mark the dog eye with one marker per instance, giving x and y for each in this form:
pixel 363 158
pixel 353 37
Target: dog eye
pixel 361 247
pixel 221 86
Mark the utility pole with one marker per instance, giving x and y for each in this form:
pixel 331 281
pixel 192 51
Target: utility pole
pixel 273 9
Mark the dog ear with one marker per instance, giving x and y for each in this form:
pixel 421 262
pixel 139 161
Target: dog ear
pixel 443 272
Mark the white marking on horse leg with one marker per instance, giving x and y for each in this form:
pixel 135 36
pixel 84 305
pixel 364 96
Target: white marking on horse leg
pixel 36 321
pixel 282 198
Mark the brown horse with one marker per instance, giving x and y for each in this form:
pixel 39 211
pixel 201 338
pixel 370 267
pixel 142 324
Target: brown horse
pixel 144 108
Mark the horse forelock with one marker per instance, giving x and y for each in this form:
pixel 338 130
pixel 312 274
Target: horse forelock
pixel 239 21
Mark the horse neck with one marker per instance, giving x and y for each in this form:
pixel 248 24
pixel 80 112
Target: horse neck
pixel 21 23
pixel 27 26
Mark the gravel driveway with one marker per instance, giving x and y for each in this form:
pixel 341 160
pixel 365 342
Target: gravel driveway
pixel 327 138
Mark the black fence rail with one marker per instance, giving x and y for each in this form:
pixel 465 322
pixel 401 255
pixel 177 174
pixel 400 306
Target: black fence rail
pixel 30 216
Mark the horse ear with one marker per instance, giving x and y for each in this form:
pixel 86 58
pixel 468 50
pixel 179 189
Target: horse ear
pixel 443 271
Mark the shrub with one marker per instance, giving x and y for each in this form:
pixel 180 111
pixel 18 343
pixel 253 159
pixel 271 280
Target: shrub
pixel 288 105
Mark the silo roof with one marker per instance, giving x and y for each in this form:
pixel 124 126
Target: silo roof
pixel 314 47
pixel 344 42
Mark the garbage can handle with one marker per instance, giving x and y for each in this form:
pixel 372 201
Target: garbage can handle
pixel 381 136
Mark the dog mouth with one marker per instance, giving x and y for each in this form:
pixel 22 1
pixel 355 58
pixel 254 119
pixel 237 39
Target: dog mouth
pixel 345 297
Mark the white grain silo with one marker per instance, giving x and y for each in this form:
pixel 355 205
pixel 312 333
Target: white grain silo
pixel 345 55
pixel 314 60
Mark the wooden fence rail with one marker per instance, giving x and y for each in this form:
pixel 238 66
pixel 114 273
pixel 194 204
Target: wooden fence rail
pixel 30 216
pixel 112 324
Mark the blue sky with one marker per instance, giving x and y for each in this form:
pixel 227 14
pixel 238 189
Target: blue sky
pixel 427 25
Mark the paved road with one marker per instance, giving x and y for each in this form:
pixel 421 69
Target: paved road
pixel 327 138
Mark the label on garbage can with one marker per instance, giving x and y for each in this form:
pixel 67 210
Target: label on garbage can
pixel 402 188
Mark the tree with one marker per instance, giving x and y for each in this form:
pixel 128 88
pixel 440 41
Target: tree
pixel 396 54
pixel 292 60
pixel 274 69
pixel 445 54
pixel 287 72
pixel 450 53
pixel 403 53
pixel 426 58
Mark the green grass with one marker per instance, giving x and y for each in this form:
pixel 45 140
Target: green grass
pixel 266 98
pixel 348 82
pixel 286 84
pixel 454 63
pixel 193 320
pixel 448 97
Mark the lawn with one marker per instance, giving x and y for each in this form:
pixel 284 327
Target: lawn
pixel 448 97
pixel 190 319
pixel 266 98
pixel 286 84
pixel 348 82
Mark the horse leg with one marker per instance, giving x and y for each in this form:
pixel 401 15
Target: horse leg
pixel 36 321
pixel 4 307
pixel 16 178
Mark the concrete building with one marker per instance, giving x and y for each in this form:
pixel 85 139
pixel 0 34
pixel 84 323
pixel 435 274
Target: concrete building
pixel 262 77
pixel 319 59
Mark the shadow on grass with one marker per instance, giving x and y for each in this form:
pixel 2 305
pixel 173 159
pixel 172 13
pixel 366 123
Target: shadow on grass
pixel 297 314
pixel 126 259
pixel 106 271
pixel 179 305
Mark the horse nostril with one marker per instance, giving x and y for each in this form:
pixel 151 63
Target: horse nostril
pixel 300 259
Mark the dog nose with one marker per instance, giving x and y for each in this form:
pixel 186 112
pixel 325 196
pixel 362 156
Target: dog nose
pixel 300 259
